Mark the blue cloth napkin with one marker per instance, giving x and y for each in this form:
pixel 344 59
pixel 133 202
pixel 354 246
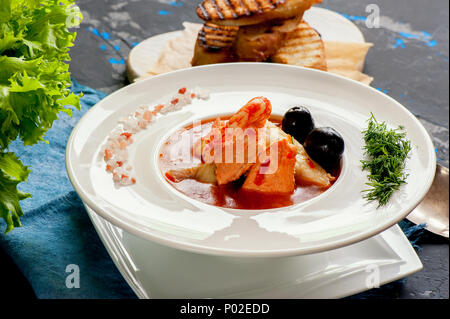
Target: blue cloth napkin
pixel 57 232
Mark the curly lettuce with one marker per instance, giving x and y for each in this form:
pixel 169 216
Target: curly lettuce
pixel 34 84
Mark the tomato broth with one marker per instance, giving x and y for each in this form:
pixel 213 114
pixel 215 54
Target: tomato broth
pixel 231 195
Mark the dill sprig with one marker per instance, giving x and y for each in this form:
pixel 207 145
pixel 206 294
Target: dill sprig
pixel 387 150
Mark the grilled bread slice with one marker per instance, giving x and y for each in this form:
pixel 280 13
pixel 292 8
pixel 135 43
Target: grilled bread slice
pixel 303 47
pixel 256 43
pixel 215 44
pixel 214 37
pixel 249 12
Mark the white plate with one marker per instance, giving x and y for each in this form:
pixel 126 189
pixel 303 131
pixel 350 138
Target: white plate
pixel 156 271
pixel 331 25
pixel 154 210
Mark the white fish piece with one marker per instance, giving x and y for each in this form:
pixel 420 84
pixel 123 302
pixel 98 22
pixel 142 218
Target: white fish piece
pixel 307 171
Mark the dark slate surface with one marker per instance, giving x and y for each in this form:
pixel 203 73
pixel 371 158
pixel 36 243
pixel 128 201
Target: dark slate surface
pixel 409 61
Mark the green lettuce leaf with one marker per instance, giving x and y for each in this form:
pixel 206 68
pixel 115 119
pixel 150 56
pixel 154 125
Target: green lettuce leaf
pixel 34 83
pixel 12 172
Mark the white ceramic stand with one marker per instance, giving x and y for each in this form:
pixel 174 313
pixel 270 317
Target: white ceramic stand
pixel 156 271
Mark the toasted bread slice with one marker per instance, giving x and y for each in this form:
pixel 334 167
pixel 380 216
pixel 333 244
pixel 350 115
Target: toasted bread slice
pixel 303 47
pixel 256 43
pixel 214 37
pixel 249 12
pixel 214 44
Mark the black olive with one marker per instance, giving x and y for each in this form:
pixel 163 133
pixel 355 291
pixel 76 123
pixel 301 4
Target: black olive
pixel 298 122
pixel 325 146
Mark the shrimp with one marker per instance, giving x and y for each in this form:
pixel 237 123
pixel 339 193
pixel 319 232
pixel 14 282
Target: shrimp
pixel 253 114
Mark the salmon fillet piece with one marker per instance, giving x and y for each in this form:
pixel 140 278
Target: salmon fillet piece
pixel 231 170
pixel 267 177
pixel 228 172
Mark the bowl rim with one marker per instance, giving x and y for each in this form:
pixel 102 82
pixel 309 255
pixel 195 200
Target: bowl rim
pixel 201 249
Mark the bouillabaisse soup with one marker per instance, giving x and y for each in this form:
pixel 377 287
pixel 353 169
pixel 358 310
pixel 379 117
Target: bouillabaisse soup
pixel 278 173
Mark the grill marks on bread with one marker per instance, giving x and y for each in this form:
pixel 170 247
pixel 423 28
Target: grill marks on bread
pixel 303 47
pixel 216 37
pixel 234 9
